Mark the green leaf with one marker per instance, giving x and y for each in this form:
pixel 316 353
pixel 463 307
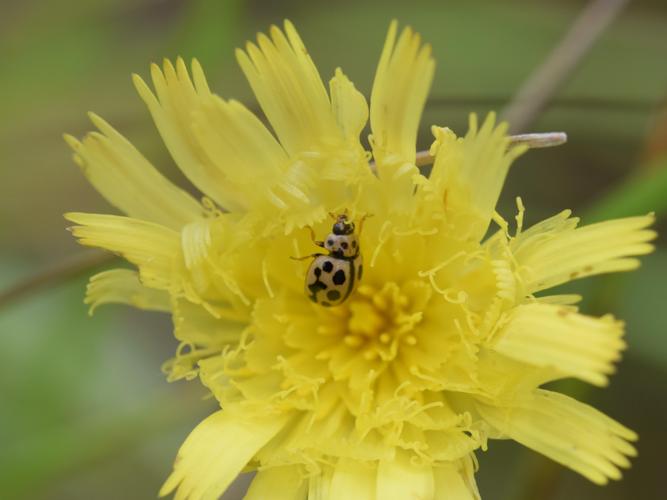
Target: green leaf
pixel 643 308
pixel 644 192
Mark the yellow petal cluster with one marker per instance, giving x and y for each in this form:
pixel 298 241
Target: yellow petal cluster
pixel 442 346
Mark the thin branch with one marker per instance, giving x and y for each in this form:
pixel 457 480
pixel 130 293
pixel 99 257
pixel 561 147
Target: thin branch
pixel 76 266
pixel 551 75
pixel 541 140
pixel 533 141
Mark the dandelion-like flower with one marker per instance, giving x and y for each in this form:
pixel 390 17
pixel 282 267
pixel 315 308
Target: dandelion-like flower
pixel 442 345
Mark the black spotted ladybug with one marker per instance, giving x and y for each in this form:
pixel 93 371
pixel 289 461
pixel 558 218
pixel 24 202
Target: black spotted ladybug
pixel 331 278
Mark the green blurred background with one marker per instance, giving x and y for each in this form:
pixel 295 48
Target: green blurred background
pixel 85 412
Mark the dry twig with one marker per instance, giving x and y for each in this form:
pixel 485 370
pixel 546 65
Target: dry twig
pixel 61 272
pixel 550 76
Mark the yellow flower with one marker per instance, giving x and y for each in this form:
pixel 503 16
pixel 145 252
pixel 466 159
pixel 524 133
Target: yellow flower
pixel 444 343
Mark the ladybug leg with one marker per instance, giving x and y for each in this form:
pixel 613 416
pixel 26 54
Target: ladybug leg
pixel 312 237
pixel 307 256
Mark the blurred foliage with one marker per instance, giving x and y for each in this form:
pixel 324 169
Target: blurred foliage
pixel 85 411
pixel 640 193
pixel 77 397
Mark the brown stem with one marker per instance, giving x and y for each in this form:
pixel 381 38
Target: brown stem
pixel 76 266
pixel 545 140
pixel 550 76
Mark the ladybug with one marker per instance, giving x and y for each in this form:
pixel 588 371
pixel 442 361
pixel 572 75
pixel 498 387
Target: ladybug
pixel 331 278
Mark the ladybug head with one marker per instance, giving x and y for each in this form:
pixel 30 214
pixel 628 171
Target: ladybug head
pixel 342 226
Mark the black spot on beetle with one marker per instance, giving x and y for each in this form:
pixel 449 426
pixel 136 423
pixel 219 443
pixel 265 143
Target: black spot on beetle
pixel 333 295
pixel 316 285
pixel 329 242
pixel 327 266
pixel 344 245
pixel 339 277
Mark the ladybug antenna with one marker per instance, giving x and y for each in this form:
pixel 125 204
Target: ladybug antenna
pixel 341 216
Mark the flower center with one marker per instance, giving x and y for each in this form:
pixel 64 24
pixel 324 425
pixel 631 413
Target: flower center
pixel 379 321
pixel 376 328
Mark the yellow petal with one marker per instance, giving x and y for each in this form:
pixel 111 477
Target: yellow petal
pixel 555 252
pixel 127 179
pixel 173 107
pixel 207 246
pixel 565 299
pixel 349 106
pixel 450 444
pixel 456 481
pixel 238 144
pixel 352 479
pixel 502 377
pixel 197 242
pixel 289 90
pixel 215 452
pixel 154 249
pixel 399 479
pixel 567 431
pixel 278 483
pixel 319 486
pixel 402 82
pixel 195 325
pixel 471 171
pixel 122 286
pixel 557 337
